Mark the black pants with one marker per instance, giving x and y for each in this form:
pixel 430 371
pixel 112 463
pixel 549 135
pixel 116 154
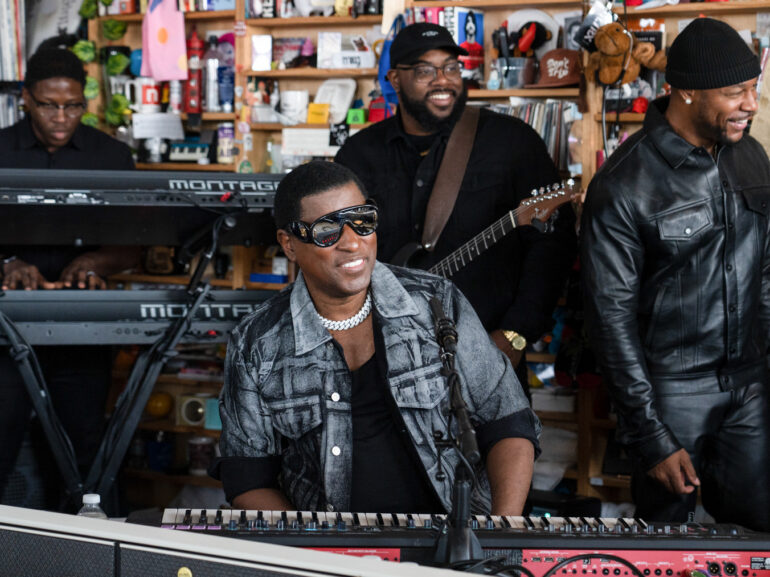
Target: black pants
pixel 78 380
pixel 727 434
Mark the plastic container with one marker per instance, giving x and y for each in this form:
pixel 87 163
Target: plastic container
pixel 91 507
pixel 225 143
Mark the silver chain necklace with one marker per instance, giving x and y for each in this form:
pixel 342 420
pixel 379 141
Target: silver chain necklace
pixel 353 321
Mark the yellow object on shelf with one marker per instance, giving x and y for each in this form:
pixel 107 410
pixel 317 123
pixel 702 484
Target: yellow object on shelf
pixel 159 404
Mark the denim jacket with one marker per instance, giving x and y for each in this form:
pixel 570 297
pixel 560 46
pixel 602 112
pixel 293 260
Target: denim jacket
pixel 288 388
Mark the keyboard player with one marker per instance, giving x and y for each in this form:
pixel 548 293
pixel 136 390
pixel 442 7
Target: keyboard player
pixel 333 398
pixel 51 136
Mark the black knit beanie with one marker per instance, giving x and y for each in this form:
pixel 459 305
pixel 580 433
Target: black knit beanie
pixel 709 54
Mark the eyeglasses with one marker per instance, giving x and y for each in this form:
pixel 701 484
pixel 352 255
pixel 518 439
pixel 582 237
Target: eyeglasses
pixel 327 230
pixel 49 109
pixel 425 73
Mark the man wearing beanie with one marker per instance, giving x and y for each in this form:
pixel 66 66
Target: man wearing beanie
pixel 78 378
pixel 514 285
pixel 676 275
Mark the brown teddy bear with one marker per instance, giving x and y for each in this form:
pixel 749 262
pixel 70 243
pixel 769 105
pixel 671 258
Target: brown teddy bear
pixel 618 52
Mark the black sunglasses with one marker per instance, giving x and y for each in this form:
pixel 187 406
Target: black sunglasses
pixel 327 230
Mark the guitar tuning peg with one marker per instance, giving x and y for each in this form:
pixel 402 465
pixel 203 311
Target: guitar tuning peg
pixel 534 192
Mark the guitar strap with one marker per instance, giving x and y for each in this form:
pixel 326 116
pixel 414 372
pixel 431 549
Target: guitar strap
pixel 450 177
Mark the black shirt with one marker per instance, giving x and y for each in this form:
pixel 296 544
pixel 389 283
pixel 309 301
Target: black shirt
pixel 516 283
pixel 386 477
pixel 88 149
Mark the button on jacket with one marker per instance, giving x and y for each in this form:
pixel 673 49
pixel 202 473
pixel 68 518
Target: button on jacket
pixel 287 392
pixel 676 273
pixel 516 283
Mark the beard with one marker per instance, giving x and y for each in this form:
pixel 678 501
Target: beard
pixel 710 130
pixel 418 109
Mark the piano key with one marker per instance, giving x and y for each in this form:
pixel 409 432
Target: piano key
pixel 346 518
pixel 305 516
pixel 424 521
pixel 170 517
pixel 372 519
pixel 402 519
pixel 516 521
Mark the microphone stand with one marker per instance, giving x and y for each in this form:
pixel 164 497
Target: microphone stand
pixel 457 542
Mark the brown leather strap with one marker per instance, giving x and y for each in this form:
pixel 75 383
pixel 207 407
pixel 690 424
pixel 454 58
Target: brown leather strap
pixel 449 177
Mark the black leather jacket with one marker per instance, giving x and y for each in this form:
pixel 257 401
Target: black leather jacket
pixel 676 274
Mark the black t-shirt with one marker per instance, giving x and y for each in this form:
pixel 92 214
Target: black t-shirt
pixel 386 478
pixel 88 149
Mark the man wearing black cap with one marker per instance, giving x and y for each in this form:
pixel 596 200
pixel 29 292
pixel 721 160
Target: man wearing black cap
pixel 676 274
pixel 515 284
pixel 52 136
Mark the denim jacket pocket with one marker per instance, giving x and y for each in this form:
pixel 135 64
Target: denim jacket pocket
pixel 422 393
pixel 296 416
pixel 686 223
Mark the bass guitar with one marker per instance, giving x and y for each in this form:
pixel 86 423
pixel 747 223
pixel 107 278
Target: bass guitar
pixel 536 210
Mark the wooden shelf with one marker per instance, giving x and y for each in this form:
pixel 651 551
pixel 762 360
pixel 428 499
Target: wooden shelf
pixel 185 166
pixel 162 279
pixel 198 480
pixel 172 379
pixel 276 126
pixel 504 4
pixel 533 357
pixel 307 72
pixel 371 19
pixel 171 427
pixel 621 481
pixel 607 424
pixel 560 416
pixel 695 8
pixel 525 92
pixel 211 15
pixel 183 280
pixel 627 117
pixel 206 116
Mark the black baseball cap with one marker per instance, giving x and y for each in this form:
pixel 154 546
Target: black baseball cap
pixel 416 39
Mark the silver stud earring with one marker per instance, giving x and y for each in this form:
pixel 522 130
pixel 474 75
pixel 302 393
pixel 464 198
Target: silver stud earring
pixel 688 100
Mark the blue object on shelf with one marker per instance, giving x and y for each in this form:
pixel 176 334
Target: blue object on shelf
pixel 211 412
pixel 265 277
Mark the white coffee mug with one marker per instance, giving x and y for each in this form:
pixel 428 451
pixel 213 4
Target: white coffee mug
pixel 144 94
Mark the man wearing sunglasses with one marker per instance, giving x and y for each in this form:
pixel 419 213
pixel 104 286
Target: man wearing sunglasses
pixel 334 398
pixel 513 286
pixel 51 136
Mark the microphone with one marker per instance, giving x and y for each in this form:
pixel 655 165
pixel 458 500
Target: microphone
pixel 446 334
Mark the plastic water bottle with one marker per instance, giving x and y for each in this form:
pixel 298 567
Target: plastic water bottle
pixel 91 507
pixel 211 60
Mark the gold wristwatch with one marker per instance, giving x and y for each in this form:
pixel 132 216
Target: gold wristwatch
pixel 518 342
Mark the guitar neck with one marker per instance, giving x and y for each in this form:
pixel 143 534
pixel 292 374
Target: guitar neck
pixel 487 238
